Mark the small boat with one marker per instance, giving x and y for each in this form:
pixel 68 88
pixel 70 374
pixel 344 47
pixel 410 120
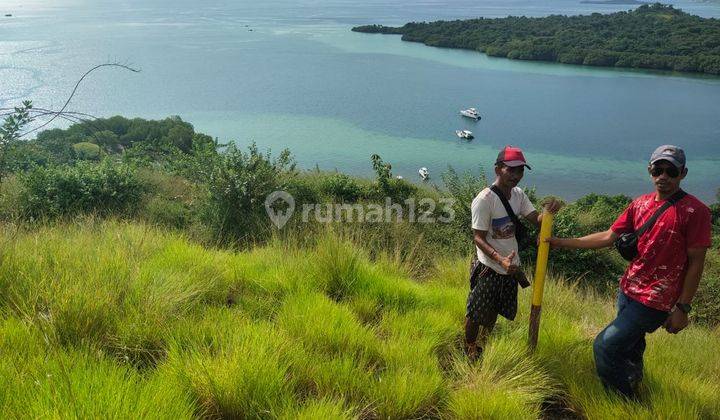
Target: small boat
pixel 465 134
pixel 424 173
pixel 470 113
pixel 399 177
pixel 8 15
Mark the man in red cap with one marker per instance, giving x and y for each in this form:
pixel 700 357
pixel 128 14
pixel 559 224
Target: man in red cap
pixel 494 277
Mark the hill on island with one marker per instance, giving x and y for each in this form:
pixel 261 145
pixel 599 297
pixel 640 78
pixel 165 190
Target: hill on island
pixel 650 37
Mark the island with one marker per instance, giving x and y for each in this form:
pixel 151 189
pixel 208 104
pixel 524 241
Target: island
pixel 655 36
pixel 614 2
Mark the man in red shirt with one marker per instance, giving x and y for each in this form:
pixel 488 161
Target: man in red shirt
pixel 660 282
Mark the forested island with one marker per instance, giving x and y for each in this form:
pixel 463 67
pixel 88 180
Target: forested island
pixel 653 36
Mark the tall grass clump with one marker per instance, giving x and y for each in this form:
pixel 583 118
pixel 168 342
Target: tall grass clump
pixel 679 375
pixel 39 381
pixel 241 372
pixel 508 384
pixel 321 409
pixel 115 319
pixel 117 287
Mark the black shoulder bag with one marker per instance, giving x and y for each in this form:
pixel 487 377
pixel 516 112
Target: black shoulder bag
pixel 520 230
pixel 626 243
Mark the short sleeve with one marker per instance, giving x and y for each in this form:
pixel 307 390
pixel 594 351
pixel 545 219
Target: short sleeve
pixel 699 228
pixel 624 223
pixel 526 206
pixel 481 212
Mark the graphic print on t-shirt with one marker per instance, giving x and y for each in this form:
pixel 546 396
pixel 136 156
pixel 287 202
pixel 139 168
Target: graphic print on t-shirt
pixel 503 228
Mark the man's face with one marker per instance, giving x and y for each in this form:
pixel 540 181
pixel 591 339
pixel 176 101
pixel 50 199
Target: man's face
pixel 666 176
pixel 509 177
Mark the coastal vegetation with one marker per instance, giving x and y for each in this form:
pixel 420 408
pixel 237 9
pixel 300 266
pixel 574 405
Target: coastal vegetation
pixel 653 36
pixel 141 276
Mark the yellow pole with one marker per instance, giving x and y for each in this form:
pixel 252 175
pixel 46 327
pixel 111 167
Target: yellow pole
pixel 539 279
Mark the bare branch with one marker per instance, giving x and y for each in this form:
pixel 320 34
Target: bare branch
pixel 62 110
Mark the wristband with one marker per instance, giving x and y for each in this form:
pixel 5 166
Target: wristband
pixel 685 307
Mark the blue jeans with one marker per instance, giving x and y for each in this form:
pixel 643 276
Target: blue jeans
pixel 620 346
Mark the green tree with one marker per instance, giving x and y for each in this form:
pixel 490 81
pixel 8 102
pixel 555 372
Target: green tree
pixel 10 134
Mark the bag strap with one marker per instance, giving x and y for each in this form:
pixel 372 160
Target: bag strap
pixel 505 203
pixel 670 201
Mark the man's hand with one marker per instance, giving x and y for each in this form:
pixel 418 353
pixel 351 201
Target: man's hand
pixel 555 242
pixel 676 322
pixel 553 205
pixel 507 263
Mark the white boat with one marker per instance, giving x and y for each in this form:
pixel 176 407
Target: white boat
pixel 470 113
pixel 424 173
pixel 464 134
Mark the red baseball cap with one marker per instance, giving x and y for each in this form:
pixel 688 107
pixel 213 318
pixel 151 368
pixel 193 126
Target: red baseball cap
pixel 512 156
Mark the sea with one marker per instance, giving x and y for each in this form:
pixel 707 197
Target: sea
pixel 291 74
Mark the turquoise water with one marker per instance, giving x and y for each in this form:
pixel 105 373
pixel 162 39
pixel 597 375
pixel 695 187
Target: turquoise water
pixel 300 79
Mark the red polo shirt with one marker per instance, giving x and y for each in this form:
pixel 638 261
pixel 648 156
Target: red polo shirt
pixel 655 277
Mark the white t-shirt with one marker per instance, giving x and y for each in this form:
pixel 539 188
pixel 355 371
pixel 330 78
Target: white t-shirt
pixel 488 213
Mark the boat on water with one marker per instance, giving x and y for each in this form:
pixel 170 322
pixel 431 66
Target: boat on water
pixel 464 134
pixel 470 113
pixel 424 173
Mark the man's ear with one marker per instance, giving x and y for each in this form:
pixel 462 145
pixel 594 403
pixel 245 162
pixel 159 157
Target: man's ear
pixel 684 173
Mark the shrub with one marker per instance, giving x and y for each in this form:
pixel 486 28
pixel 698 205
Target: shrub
pixel 589 214
pixel 341 188
pixel 161 211
pixel 171 199
pixel 11 192
pixel 86 151
pixel 238 187
pixel 303 190
pixel 463 189
pixel 106 188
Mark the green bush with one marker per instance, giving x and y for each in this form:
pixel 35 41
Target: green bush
pixel 589 214
pixel 86 151
pixel 463 189
pixel 165 212
pixel 237 189
pixel 107 188
pixel 303 189
pixel 341 187
pixel 11 192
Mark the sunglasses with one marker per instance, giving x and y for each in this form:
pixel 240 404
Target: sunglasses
pixel 671 171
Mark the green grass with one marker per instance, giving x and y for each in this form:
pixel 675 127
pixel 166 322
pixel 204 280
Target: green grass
pixel 113 319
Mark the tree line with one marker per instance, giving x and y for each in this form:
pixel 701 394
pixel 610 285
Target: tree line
pixel 653 36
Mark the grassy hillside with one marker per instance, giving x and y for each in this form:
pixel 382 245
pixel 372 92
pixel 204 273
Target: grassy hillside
pixel 112 319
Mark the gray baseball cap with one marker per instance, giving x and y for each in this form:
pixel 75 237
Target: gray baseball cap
pixel 672 154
